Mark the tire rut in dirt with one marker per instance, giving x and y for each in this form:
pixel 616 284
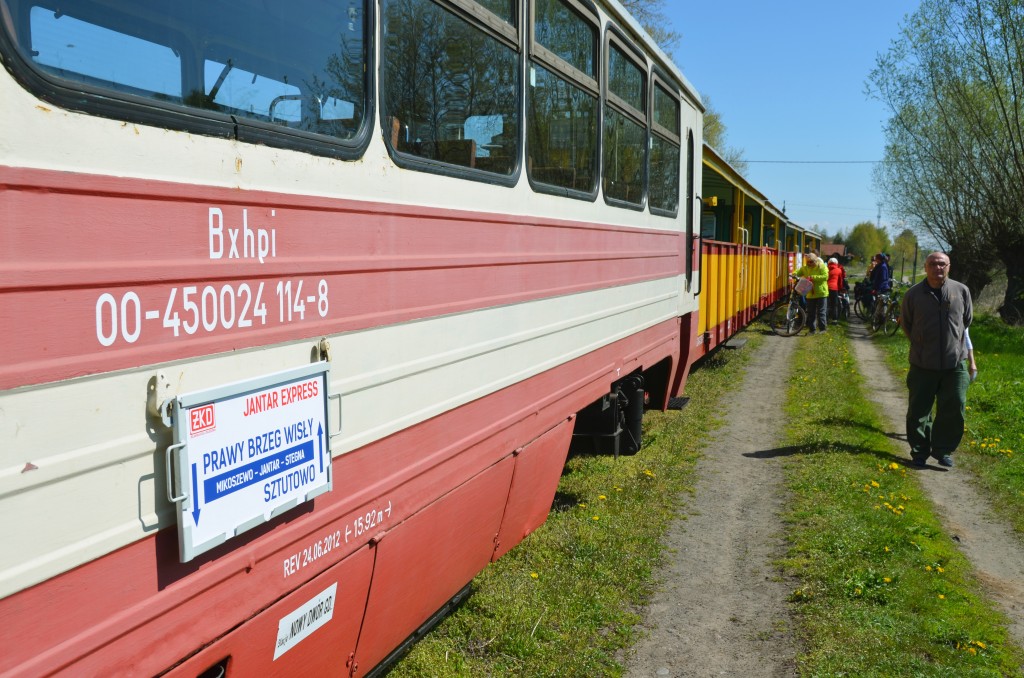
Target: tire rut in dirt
pixel 722 608
pixel 996 553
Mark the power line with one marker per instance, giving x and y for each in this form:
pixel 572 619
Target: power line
pixel 815 162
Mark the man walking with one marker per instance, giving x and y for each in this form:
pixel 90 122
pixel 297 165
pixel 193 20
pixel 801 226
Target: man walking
pixel 935 316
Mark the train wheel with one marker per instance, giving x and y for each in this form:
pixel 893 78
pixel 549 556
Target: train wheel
pixel 787 319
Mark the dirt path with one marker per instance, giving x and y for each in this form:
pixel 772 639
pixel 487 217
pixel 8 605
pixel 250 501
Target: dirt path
pixel 722 608
pixel 991 546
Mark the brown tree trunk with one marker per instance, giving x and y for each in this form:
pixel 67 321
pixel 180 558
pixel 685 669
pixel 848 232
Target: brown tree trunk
pixel 1012 310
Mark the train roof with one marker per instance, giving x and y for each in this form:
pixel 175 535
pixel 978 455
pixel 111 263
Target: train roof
pixel 720 165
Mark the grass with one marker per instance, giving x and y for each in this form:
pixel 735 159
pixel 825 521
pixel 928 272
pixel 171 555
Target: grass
pixel 993 446
pixel 884 591
pixel 567 600
pixel 881 591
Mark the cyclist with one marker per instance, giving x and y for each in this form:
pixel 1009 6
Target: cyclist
pixel 817 299
pixel 836 284
pixel 881 281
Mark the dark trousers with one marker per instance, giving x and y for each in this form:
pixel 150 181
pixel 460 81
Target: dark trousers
pixel 816 314
pixel 833 305
pixel 946 391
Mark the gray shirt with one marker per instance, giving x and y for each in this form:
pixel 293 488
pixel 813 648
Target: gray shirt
pixel 936 320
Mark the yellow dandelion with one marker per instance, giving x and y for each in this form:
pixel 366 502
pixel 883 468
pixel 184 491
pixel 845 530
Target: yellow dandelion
pixel 534 575
pixel 939 569
pixel 886 549
pixel 972 650
pixel 874 483
pixel 980 644
pixel 894 466
pixel 928 568
pixel 582 505
pixel 942 597
pixel 601 496
pixel 597 517
pixel 887 580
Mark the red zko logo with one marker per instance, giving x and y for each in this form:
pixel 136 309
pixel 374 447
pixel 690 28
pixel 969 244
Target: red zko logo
pixel 202 419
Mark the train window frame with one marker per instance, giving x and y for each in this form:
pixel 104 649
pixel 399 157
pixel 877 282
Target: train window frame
pixel 616 39
pixel 109 102
pixel 658 131
pixel 538 55
pixel 509 35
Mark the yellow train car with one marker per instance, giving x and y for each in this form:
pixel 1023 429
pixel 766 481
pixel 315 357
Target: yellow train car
pixel 748 247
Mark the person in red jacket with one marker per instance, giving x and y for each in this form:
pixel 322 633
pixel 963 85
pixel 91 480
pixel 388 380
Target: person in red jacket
pixel 836 284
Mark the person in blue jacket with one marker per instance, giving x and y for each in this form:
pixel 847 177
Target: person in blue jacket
pixel 881 275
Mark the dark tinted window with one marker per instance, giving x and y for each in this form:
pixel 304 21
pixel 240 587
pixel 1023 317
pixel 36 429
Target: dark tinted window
pixel 625 129
pixel 663 175
pixel 562 132
pixel 505 9
pixel 625 79
pixel 449 89
pixel 562 100
pixel 566 33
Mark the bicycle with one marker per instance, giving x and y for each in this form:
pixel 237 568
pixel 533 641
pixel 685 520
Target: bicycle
pixel 879 312
pixel 886 314
pixel 788 316
pixel 842 311
pixel 863 300
pixel 892 313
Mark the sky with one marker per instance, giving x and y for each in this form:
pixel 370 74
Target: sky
pixel 789 80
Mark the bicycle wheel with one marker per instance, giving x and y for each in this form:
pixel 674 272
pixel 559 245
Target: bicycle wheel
pixel 842 309
pixel 787 319
pixel 892 320
pixel 862 309
pixel 878 319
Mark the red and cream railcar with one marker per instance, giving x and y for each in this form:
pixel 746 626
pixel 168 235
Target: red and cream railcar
pixel 299 303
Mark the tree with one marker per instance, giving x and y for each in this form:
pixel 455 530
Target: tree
pixel 651 15
pixel 866 240
pixel 903 253
pixel 714 136
pixel 954 163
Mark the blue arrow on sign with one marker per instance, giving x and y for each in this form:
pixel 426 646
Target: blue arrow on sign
pixel 195 496
pixel 320 439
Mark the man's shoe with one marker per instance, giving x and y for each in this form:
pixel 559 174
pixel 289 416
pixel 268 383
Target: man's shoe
pixel 919 462
pixel 946 461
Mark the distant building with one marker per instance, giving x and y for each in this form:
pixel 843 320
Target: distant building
pixel 831 249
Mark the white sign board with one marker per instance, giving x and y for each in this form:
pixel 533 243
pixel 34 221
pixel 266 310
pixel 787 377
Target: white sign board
pixel 299 624
pixel 247 452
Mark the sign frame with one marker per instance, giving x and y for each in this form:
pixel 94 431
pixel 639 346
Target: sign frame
pixel 241 465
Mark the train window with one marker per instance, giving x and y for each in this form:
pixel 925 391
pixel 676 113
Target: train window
pixel 449 84
pixel 70 48
pixel 259 66
pixel 625 127
pixel 562 99
pixel 503 9
pixel 664 158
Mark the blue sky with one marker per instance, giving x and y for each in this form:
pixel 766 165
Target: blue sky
pixel 789 80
